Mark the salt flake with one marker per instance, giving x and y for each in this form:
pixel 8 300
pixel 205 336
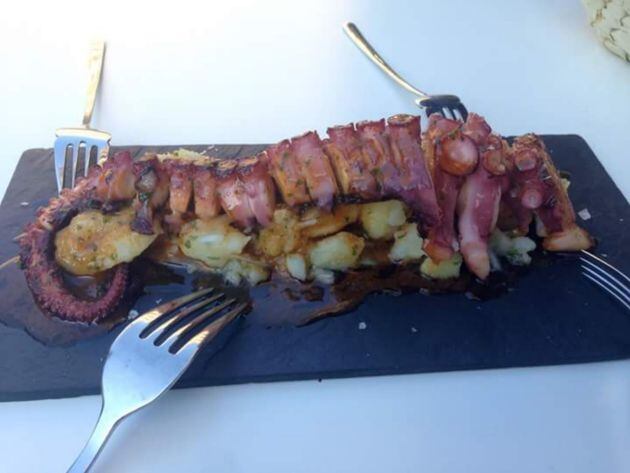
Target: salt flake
pixel 584 214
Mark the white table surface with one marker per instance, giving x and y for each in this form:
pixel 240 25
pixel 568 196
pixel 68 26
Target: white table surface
pixel 256 73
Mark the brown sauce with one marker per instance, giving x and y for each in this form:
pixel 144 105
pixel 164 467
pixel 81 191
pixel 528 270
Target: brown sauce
pixel 87 287
pixel 20 311
pixel 281 301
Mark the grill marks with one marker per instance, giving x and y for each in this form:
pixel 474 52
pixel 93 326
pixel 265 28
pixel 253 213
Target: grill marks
pixel 369 160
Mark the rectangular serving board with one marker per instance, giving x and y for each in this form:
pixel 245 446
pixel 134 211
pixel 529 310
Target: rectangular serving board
pixel 551 316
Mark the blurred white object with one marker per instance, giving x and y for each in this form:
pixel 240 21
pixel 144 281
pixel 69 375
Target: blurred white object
pixel 611 21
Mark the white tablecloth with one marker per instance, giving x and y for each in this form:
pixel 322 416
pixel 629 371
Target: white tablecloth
pixel 246 72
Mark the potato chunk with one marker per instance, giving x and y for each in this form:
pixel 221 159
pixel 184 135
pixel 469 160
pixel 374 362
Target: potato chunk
pixel 316 224
pixel 515 250
pixel 94 242
pixel 282 236
pixel 297 266
pixel 572 238
pixel 253 272
pixel 339 252
pixel 380 220
pixel 212 241
pixel 444 270
pixel 407 244
pixel 323 276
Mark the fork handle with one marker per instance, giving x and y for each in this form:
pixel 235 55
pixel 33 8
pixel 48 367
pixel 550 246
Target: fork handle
pixel 357 38
pixel 104 427
pixel 95 66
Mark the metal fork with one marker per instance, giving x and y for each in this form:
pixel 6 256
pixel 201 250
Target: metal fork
pixel 147 358
pixel 607 277
pixel 450 106
pixel 70 140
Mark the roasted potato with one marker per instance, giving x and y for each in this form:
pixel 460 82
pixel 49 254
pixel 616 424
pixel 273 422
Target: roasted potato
pixel 444 270
pixel 323 276
pixel 339 252
pixel 407 244
pixel 297 266
pixel 282 236
pixel 94 242
pixel 514 249
pixel 237 269
pixel 380 220
pixel 212 241
pixel 317 224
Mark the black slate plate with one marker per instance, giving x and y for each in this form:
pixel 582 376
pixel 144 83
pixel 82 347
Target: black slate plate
pixel 552 316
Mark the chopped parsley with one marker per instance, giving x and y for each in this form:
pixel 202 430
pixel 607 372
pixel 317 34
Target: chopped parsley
pixel 513 253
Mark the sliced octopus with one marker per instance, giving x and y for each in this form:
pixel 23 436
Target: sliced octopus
pixel 435 196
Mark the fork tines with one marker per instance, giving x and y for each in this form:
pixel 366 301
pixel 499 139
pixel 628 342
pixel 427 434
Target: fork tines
pixel 449 106
pixel 184 322
pixel 68 146
pixel 607 277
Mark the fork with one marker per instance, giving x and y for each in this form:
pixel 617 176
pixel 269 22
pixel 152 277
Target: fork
pixel 607 277
pixel 449 106
pixel 150 355
pixel 70 140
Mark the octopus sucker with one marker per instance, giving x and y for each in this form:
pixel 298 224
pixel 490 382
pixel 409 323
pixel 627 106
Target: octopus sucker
pixel 374 193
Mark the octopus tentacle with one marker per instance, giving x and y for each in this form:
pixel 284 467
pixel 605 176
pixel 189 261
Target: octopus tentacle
pixel 480 196
pixel 43 274
pixel 441 241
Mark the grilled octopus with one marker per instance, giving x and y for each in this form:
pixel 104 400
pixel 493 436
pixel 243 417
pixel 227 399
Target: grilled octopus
pixel 459 180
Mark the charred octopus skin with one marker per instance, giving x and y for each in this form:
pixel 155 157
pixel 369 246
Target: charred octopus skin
pixel 37 245
pixel 457 182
